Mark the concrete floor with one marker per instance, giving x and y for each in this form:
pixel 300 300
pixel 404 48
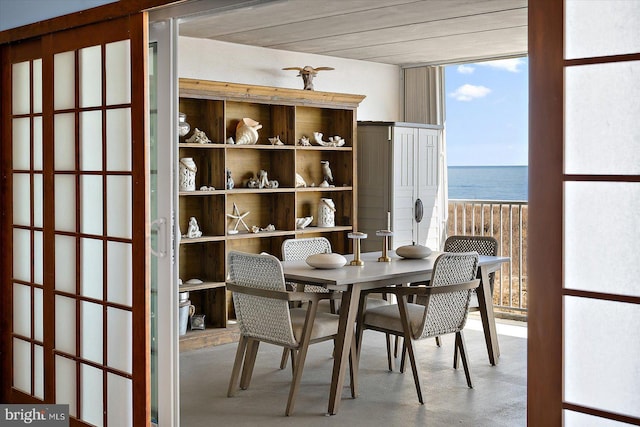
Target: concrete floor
pixel 386 398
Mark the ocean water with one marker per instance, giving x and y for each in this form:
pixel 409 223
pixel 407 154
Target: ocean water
pixel 488 182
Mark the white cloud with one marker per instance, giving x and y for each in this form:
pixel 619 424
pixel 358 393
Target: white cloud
pixel 469 92
pixel 512 65
pixel 465 69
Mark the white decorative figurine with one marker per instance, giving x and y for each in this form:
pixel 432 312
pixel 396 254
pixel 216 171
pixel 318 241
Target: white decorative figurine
pixel 300 182
pixel 194 230
pixel 276 140
pixel 187 174
pixel 304 141
pixel 199 137
pixel 326 173
pixel 239 219
pixel 326 213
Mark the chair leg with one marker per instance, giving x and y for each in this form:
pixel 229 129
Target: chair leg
pixel 397 346
pixel 249 363
pixel 285 358
pixel 463 354
pixel 353 368
pixel 293 360
pixel 456 356
pixel 403 359
pixel 237 364
pixel 389 358
pixel 414 368
pixel 438 342
pixel 300 356
pixel 402 305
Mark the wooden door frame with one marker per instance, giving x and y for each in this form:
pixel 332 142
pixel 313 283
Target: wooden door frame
pixel 546 113
pixel 105 12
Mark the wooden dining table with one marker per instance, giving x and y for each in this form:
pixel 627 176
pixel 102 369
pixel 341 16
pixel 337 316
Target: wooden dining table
pixel 352 280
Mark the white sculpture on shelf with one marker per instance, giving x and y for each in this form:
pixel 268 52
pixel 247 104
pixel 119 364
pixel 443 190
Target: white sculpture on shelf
pixel 199 137
pixel 239 219
pixel 300 182
pixel 304 141
pixel 193 231
pixel 302 223
pixel 276 140
pixel 187 174
pixel 263 181
pixel 247 131
pixel 326 173
pixel 334 141
pixel 326 213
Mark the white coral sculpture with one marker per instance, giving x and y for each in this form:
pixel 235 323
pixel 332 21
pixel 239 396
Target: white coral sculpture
pixel 199 137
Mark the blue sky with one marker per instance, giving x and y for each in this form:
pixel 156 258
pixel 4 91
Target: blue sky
pixel 487 113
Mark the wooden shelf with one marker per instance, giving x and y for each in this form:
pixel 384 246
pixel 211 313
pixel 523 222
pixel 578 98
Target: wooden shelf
pixel 317 189
pixel 186 287
pixel 201 193
pixel 211 145
pixel 216 108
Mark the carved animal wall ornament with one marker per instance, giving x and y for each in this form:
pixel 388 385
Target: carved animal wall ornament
pixel 308 73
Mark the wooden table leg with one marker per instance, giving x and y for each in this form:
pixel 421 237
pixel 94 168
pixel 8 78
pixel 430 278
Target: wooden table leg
pixel 485 301
pixel 348 312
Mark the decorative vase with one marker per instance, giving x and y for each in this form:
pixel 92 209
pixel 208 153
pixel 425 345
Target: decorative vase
pixel 183 126
pixel 326 213
pixel 187 174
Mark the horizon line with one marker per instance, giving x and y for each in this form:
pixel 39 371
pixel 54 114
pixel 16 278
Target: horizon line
pixel 485 166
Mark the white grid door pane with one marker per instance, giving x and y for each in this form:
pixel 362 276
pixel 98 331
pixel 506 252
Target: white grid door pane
pixel 93 211
pixel 73 175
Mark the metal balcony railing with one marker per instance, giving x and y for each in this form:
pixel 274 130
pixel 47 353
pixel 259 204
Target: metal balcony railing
pixel 507 222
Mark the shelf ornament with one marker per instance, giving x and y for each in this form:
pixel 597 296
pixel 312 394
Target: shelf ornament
pixel 193 232
pixel 326 173
pixel 183 126
pixel 326 213
pixel 187 174
pixel 308 73
pixel 198 137
pixel 247 131
pixel 239 220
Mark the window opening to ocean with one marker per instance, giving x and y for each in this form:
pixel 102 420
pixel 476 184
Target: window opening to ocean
pixel 487 130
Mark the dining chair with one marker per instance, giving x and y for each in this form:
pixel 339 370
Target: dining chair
pixel 299 250
pixel 442 311
pixel 261 303
pixel 484 245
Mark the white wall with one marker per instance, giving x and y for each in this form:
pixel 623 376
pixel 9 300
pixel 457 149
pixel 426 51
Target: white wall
pixel 228 62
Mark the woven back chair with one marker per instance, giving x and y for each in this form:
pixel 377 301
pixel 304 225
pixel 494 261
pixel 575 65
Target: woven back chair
pixel 442 309
pixel 484 245
pixel 300 249
pixel 261 303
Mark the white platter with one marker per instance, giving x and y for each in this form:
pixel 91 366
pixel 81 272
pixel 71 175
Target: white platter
pixel 326 261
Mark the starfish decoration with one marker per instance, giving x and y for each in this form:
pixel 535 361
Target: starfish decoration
pixel 239 219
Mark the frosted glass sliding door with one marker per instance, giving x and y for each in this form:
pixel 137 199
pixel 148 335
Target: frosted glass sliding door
pixel 77 280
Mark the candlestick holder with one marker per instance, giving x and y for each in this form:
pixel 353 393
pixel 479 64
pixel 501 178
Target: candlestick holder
pixel 356 236
pixel 385 234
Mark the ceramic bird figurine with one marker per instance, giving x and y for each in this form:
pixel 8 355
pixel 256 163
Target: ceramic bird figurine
pixel 326 171
pixel 308 73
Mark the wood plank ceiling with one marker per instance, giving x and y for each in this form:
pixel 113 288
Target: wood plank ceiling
pixel 401 32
